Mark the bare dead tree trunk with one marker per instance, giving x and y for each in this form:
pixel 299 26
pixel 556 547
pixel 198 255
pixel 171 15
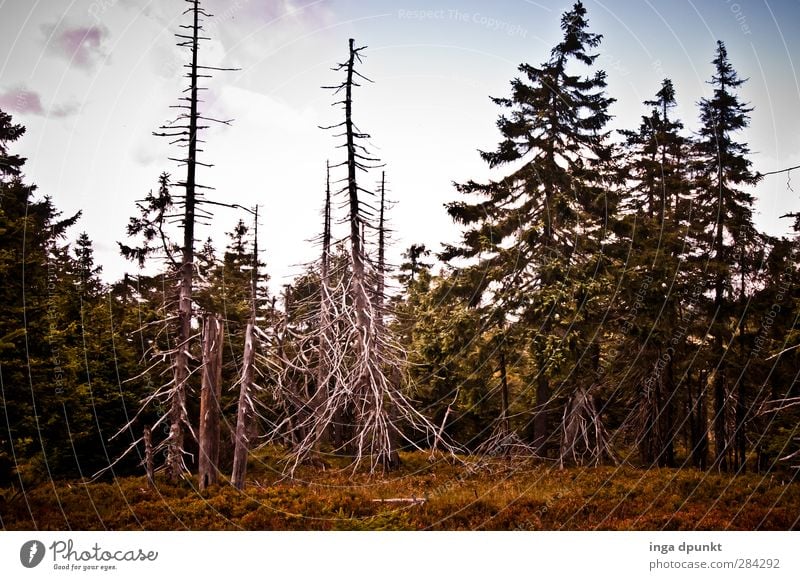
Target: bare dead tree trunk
pixel 295 397
pixel 356 225
pixel 380 286
pixel 210 395
pixel 184 132
pixel 393 459
pixel 246 406
pixel 584 438
pixel 324 346
pixel 366 404
pixel 178 414
pixel 541 423
pixel 504 396
pixel 362 368
pixel 148 456
pixel 244 410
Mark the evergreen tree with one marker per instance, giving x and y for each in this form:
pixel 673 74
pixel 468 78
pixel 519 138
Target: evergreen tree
pixel 536 233
pixel 449 359
pixel 88 273
pixel 413 263
pixel 37 369
pixel 10 164
pixel 653 249
pixel 728 242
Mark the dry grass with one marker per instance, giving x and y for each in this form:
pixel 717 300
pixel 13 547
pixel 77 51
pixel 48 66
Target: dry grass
pixel 496 496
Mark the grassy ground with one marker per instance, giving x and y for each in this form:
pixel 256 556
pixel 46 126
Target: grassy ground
pixel 499 496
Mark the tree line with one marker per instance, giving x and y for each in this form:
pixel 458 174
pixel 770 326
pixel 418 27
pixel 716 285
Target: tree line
pixel 609 300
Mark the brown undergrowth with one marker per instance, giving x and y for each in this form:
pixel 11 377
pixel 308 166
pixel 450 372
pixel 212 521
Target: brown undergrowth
pixel 438 495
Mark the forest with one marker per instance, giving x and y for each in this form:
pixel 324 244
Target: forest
pixel 610 343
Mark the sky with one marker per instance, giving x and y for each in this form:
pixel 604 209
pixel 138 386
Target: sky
pixel 93 79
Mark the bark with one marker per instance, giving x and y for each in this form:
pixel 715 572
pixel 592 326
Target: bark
pixel 584 438
pixel 380 326
pixel 699 423
pixel 320 398
pixel 148 457
pixel 669 428
pixel 356 249
pixel 244 411
pixel 367 400
pixel 210 395
pixel 381 283
pixel 540 419
pixel 178 417
pixel 721 450
pixel 504 414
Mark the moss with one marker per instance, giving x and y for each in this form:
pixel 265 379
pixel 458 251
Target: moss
pixel 500 495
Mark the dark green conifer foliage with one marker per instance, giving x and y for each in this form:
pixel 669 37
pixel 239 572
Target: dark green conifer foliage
pixel 729 244
pixel 654 247
pixel 531 235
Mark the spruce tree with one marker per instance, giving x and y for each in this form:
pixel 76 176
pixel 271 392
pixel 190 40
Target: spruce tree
pixel 37 365
pixel 653 249
pixel 728 242
pixel 530 235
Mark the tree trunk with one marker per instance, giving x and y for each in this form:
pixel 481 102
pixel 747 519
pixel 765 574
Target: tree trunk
pixel 699 423
pixel 210 394
pixel 720 420
pixel 540 418
pixel 504 414
pixel 392 460
pixel 740 435
pixel 148 457
pixel 323 379
pixel 244 410
pixel 368 403
pixel 667 453
pixel 181 359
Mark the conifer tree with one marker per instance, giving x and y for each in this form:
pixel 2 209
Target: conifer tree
pixel 653 248
pixel 728 241
pixel 532 233
pixel 40 395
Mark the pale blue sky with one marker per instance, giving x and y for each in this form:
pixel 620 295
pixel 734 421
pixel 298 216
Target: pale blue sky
pixel 92 79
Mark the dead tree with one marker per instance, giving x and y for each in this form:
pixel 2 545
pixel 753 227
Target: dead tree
pixel 245 410
pixel 210 394
pixel 184 132
pixel 247 386
pixel 148 457
pixel 584 439
pixel 325 342
pixel 186 135
pixel 380 312
pixel 360 362
pixel 370 415
pixel 380 285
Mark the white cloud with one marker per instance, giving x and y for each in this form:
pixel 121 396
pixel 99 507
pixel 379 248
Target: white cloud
pixel 82 46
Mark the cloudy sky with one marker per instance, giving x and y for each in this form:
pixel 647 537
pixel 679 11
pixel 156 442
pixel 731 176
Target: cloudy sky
pixel 92 79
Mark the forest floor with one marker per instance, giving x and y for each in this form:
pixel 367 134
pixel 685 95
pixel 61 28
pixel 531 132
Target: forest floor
pixel 440 495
